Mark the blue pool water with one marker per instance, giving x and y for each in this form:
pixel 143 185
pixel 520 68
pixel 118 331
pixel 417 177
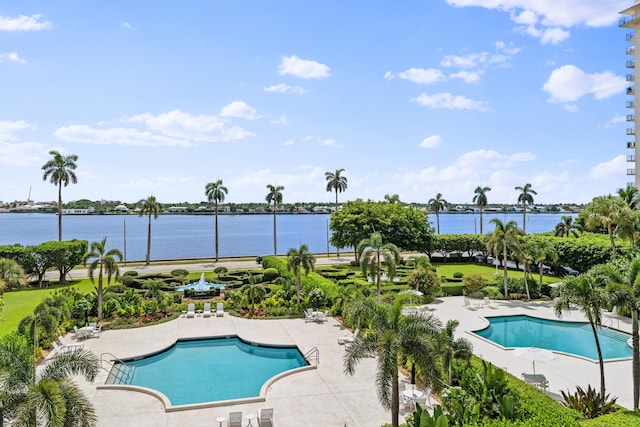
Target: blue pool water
pixel 568 337
pixel 207 370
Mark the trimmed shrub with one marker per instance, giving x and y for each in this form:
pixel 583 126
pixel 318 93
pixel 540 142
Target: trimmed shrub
pixel 452 290
pixel 474 282
pixel 220 270
pixel 270 274
pixel 127 280
pixel 179 272
pixel 118 289
pixel 132 273
pixel 458 275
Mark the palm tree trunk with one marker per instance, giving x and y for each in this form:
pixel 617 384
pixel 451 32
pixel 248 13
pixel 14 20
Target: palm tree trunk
pixel 635 361
pixel 524 218
pixel 438 221
pixel 480 219
pixel 275 251
pixel 612 241
pixel 600 359
pixel 395 400
pixel 379 265
pixel 60 211
pixel 526 284
pixel 541 274
pixel 298 285
pixel 148 260
pixel 216 232
pixel 100 293
pixel 337 248
pixel 504 266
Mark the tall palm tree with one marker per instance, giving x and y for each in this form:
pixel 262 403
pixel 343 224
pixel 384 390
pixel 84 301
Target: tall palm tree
pixel 392 198
pixel 391 336
pixel 585 293
pixel 254 291
pixel 437 204
pixel 480 199
pixel 215 192
pixel 526 198
pixel 60 171
pixel 275 196
pixel 567 227
pixel 605 212
pixel 372 251
pixel 452 348
pixel 105 261
pixel 149 208
pixel 629 195
pixel 624 293
pixel 49 396
pixel 541 251
pixel 505 238
pixel 337 183
pixel 300 259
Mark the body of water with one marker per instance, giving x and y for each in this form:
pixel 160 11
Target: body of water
pixel 193 236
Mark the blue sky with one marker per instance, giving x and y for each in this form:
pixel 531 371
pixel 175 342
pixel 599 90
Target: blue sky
pixel 414 98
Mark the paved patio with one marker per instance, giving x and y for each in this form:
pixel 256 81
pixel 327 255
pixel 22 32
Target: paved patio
pixel 326 396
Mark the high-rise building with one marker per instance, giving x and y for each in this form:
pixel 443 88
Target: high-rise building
pixel 632 21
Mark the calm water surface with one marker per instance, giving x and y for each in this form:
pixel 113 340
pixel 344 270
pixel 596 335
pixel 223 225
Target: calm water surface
pixel 193 236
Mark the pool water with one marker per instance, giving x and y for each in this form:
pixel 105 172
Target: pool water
pixel 567 337
pixel 207 370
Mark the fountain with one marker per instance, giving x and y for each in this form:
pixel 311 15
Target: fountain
pixel 201 285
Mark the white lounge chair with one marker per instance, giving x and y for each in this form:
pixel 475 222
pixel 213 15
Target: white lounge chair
pixel 219 309
pixel 68 346
pixel 322 317
pixel 191 310
pixel 349 338
pixel 467 304
pixel 488 303
pixel 207 310
pixel 265 417
pixel 234 419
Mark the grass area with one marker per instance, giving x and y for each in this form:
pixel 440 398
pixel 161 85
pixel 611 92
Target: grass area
pixel 486 271
pixel 19 304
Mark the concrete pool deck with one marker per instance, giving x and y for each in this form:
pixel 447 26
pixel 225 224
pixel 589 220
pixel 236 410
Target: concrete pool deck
pixel 326 396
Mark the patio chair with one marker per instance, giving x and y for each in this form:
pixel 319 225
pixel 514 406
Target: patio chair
pixel 219 309
pixel 322 317
pixel 265 417
pixel 467 304
pixel 309 316
pixel 69 345
pixel 234 419
pixel 207 310
pixel 488 303
pixel 349 338
pixel 191 310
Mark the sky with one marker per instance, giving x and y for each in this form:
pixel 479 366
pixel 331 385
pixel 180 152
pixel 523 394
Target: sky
pixel 413 98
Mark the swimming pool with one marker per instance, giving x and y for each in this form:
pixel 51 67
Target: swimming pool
pixel 194 371
pixel 568 337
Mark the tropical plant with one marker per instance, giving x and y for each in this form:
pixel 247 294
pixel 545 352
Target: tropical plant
pixel 254 292
pixel 590 403
pixel 150 207
pixel 105 261
pixel 425 281
pixel 297 260
pixel 504 239
pixel 585 293
pixel 437 204
pixel 275 196
pixel 215 193
pixel 526 198
pixel 392 198
pixel 452 348
pixel 11 274
pixel 566 227
pixel 391 335
pixel 337 183
pixel 372 252
pixel 60 171
pixel 605 212
pixel 49 396
pixel 422 417
pixel 629 195
pixel 480 199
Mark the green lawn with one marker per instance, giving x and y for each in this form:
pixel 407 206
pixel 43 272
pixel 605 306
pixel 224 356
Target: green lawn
pixel 486 271
pixel 19 304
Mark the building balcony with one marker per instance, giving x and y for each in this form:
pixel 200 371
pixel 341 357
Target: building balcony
pixel 631 171
pixel 631 90
pixel 631 144
pixel 628 21
pixel 631 50
pixel 631 63
pixel 631 131
pixel 631 77
pixel 631 104
pixel 631 158
pixel 631 117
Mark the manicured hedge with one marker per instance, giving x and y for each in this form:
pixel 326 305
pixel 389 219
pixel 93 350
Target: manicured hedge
pixel 452 290
pixel 621 418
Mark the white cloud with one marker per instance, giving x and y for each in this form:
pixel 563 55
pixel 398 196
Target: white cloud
pixel 449 102
pixel 22 153
pixel 281 121
pixel 569 83
pixel 24 23
pixel 616 120
pixel 289 142
pixel 612 168
pixel 8 129
pixel 126 25
pixel 239 109
pixel 467 76
pixel 572 108
pixel 330 142
pixel 417 75
pixel 119 136
pixel 285 88
pixel 303 68
pixel 13 57
pixel 433 141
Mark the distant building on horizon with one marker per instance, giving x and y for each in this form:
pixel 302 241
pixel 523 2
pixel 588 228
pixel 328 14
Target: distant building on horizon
pixel 632 21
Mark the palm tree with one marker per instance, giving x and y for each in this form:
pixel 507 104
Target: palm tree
pixel 624 292
pixel 391 336
pixel 300 259
pixel 480 199
pixel 629 195
pixel 541 252
pixel 567 227
pixel 505 238
pixel 275 196
pixel 338 183
pixel 105 262
pixel 585 293
pixel 49 396
pixel 149 208
pixel 215 192
pixel 60 171
pixel 605 212
pixel 526 198
pixel 372 252
pixel 452 348
pixel 254 291
pixel 392 198
pixel 437 204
